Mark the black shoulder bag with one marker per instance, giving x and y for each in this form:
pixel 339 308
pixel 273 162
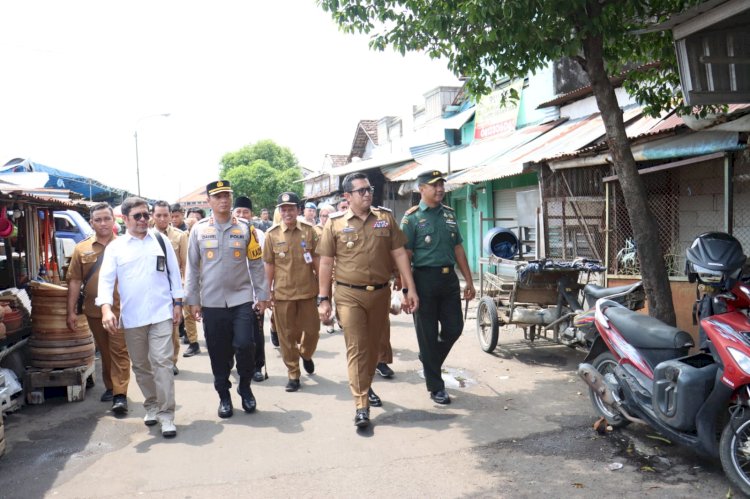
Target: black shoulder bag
pixel 89 275
pixel 160 239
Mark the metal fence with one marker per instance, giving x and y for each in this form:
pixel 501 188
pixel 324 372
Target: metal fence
pixel 684 201
pixel 574 209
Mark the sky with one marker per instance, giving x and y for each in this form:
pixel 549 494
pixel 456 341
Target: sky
pixel 80 77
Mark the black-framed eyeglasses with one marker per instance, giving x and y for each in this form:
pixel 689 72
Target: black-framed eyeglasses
pixel 143 215
pixel 363 190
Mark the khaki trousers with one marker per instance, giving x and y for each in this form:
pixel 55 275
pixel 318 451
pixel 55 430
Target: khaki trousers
pixel 151 351
pixel 364 317
pixel 114 356
pixel 175 343
pixel 298 327
pixel 191 330
pixel 386 352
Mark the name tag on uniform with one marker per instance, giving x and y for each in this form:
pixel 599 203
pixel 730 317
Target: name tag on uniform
pixel 380 224
pixel 307 256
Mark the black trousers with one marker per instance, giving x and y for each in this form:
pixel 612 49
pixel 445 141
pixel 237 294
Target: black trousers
pixel 260 342
pixel 230 333
pixel 438 320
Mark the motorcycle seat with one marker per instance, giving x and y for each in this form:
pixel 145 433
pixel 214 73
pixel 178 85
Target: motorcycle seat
pixel 643 331
pixel 596 291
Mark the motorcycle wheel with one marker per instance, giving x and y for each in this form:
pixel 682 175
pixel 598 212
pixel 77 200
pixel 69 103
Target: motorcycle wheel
pixel 487 324
pixel 605 363
pixel 734 451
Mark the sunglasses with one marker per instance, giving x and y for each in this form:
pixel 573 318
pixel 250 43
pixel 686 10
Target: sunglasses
pixel 363 191
pixel 138 216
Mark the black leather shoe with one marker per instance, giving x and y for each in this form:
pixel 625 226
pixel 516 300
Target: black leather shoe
pixel 275 339
pixel 225 407
pixel 362 418
pixel 175 371
pixel 383 370
pixel 292 385
pixel 441 397
pixel 120 404
pixel 309 365
pixel 373 398
pixel 258 375
pixel 185 340
pixel 193 349
pixel 106 396
pixel 248 400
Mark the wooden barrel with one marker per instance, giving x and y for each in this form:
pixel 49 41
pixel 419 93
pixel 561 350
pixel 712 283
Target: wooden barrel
pixel 52 344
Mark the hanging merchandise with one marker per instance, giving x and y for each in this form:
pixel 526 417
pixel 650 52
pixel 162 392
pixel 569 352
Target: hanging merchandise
pixel 6 226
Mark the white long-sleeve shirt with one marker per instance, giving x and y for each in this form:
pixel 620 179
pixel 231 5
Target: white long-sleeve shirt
pixel 145 296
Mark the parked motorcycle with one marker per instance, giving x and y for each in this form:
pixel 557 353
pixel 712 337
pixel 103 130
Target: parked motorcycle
pixel 582 331
pixel 641 371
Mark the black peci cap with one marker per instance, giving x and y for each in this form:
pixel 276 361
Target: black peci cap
pixel 243 202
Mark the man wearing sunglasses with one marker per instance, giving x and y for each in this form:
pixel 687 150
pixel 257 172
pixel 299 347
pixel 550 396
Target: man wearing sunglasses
pixel 224 272
pixel 147 275
pixel 363 243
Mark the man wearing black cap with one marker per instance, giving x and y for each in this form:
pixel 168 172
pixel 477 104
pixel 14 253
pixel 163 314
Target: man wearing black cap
pixel 434 243
pixel 291 264
pixel 219 288
pixel 243 209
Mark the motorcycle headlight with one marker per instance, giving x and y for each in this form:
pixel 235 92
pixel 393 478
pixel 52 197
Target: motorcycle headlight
pixel 741 359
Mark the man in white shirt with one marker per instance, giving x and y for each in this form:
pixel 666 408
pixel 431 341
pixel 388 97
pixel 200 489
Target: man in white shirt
pixel 147 274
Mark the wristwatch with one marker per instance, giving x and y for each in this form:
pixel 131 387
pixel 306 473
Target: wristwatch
pixel 321 299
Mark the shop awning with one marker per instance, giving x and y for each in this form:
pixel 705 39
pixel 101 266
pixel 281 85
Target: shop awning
pixel 369 164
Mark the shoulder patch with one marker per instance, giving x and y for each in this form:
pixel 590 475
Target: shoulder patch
pixel 447 207
pixel 411 210
pixel 336 215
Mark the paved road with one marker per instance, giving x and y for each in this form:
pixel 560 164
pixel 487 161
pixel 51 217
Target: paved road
pixel 520 427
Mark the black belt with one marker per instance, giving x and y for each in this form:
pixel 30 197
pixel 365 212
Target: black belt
pixel 373 287
pixel 443 270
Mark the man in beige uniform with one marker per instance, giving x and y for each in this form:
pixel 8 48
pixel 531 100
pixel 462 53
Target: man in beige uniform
pixel 179 240
pixel 365 243
pixel 112 348
pixel 291 263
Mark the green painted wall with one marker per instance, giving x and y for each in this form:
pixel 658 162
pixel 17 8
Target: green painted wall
pixel 473 201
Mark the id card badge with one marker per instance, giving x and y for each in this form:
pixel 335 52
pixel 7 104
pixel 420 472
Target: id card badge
pixel 161 263
pixel 307 256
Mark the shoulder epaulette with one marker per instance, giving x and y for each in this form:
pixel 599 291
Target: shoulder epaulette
pixel 202 221
pixel 274 226
pixel 383 208
pixel 336 214
pixel 411 210
pixel 447 207
pixel 305 222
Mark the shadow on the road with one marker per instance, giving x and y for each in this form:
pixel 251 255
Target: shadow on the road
pixel 283 420
pixel 197 433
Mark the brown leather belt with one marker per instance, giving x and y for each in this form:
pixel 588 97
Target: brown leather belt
pixel 373 287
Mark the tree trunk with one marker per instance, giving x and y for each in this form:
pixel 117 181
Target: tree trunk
pixel 645 230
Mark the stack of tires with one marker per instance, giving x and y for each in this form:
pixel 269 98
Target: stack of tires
pixel 52 344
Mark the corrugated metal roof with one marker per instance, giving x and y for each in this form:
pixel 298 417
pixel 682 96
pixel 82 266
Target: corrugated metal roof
pixel 368 164
pixel 571 135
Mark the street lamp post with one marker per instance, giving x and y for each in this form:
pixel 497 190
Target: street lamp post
pixel 135 135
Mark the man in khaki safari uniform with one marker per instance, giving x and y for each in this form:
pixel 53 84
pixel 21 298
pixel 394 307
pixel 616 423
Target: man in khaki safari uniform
pixel 291 263
pixel 84 266
pixel 365 242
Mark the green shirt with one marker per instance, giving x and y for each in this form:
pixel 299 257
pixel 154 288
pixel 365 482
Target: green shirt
pixel 432 235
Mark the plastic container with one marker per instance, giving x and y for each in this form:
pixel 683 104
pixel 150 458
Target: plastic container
pixel 500 242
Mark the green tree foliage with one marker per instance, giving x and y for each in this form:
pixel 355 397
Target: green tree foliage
pixel 277 156
pixel 488 41
pixel 262 171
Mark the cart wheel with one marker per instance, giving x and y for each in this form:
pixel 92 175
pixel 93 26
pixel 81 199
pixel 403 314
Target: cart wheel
pixel 487 324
